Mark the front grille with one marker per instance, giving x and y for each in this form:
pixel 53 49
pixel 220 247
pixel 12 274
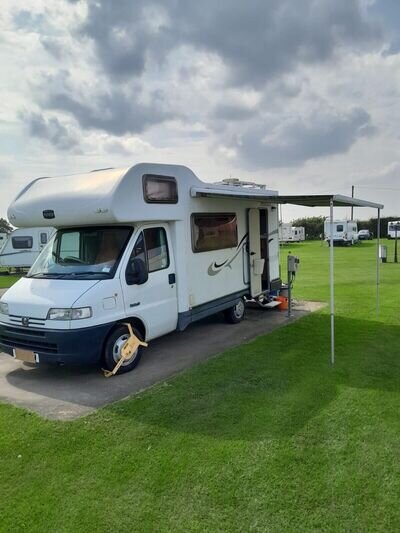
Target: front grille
pixel 17 320
pixel 27 339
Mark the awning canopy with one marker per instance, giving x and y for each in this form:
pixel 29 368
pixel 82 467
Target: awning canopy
pixel 307 200
pixel 324 200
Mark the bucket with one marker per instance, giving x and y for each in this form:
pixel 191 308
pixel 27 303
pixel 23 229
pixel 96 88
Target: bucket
pixel 284 303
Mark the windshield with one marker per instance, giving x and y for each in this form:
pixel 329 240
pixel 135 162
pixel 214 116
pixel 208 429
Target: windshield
pixel 82 253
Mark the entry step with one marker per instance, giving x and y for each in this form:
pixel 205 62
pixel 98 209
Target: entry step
pixel 272 304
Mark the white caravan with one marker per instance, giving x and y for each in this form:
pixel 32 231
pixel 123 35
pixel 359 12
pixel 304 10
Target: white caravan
pixel 393 228
pixel 345 232
pixel 289 233
pixel 299 233
pixel 3 239
pixel 23 247
pixel 150 245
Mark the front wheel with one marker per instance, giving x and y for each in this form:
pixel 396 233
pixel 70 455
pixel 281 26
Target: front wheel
pixel 235 314
pixel 113 347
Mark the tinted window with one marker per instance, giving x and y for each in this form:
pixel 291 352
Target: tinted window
pixel 20 243
pixel 214 231
pixel 43 238
pixel 152 247
pixel 160 189
pixel 339 227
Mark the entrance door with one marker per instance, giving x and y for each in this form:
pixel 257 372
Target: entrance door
pixel 264 237
pixel 155 302
pixel 256 263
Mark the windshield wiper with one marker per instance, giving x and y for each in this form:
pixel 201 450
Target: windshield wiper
pixel 47 275
pixel 90 273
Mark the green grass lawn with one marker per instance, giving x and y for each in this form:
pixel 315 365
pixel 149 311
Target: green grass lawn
pixel 267 437
pixel 7 281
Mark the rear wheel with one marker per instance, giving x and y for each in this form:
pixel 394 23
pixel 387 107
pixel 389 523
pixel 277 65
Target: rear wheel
pixel 235 314
pixel 113 347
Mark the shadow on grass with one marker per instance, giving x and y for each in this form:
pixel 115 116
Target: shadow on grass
pixel 273 386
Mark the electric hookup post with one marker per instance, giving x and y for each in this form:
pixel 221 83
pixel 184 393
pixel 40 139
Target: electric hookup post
pixel 396 230
pixel 292 267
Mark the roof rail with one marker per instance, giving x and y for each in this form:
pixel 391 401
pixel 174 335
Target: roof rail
pixel 235 182
pixel 99 169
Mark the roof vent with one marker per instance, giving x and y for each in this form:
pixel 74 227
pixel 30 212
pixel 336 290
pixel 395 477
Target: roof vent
pixel 235 182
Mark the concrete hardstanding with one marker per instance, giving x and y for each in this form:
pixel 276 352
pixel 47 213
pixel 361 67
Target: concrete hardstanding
pixel 67 393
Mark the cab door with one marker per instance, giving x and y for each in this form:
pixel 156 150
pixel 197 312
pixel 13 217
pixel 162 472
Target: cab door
pixel 155 301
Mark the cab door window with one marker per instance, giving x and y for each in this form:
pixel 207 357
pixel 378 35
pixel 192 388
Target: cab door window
pixel 152 248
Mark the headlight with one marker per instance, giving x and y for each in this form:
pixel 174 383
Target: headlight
pixel 69 314
pixel 3 308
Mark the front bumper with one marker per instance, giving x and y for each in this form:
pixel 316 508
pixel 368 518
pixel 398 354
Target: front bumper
pixel 71 347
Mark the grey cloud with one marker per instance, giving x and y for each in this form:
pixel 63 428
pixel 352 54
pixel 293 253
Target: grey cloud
pixel 300 139
pixel 28 20
pixel 232 112
pixel 257 41
pixel 49 129
pixel 114 112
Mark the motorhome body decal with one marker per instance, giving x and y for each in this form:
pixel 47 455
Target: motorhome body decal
pixel 216 268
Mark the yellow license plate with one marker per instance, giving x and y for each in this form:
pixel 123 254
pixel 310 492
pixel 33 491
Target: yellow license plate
pixel 25 355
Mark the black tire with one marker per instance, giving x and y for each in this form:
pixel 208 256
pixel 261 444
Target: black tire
pixel 235 314
pixel 113 346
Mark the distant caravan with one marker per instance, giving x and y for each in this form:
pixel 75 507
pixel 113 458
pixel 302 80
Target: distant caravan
pixel 289 233
pixel 393 229
pixel 23 246
pixel 3 239
pixel 345 232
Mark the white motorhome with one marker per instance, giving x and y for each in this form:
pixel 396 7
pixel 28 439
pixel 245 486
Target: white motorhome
pixel 23 247
pixel 393 229
pixel 150 245
pixel 289 233
pixel 345 232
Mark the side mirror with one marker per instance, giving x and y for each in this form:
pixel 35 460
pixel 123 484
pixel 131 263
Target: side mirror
pixel 136 272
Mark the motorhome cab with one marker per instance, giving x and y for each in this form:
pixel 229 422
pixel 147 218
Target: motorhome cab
pixel 345 232
pixel 151 245
pixel 23 247
pixel 393 229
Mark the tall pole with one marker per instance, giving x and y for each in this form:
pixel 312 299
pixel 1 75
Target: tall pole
pixel 332 287
pixel 352 207
pixel 378 237
pixel 395 243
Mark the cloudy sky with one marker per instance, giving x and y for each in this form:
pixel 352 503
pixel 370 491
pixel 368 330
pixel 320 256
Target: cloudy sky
pixel 302 95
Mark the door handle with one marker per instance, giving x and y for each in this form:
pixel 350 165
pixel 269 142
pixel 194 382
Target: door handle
pixel 171 279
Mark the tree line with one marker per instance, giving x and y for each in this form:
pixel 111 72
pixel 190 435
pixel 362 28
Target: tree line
pixel 5 227
pixel 314 226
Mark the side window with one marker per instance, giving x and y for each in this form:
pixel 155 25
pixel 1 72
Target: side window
pixel 20 243
pixel 214 231
pixel 139 250
pixel 43 238
pixel 339 227
pixel 157 249
pixel 152 248
pixel 160 189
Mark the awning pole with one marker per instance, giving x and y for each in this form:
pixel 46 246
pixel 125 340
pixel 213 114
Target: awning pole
pixel 332 287
pixel 378 237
